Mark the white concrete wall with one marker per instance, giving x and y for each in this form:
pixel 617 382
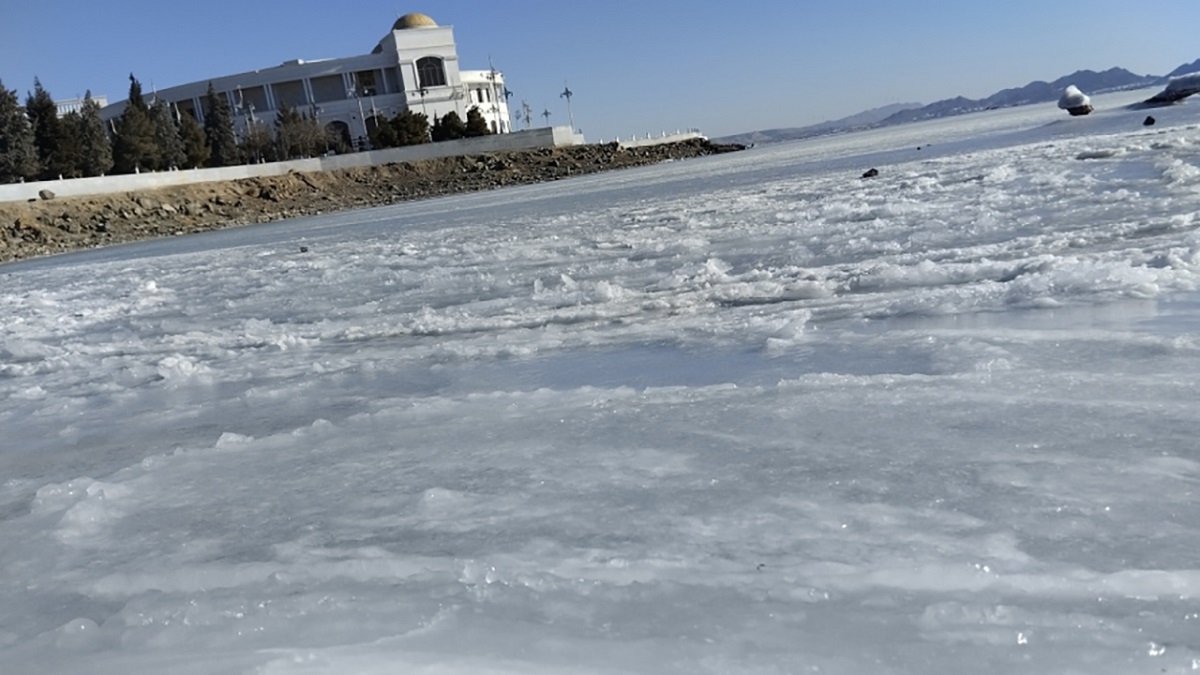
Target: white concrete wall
pixel 534 138
pixel 677 137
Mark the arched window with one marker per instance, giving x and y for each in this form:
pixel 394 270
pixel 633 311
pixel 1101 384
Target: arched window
pixel 431 72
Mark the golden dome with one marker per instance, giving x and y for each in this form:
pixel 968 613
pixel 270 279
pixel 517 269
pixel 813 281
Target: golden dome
pixel 414 20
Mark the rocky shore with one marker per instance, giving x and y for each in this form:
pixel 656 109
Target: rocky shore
pixel 56 225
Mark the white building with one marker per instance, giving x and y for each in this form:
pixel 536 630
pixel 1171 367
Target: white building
pixel 414 66
pixel 70 105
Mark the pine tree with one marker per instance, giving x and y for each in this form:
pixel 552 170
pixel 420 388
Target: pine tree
pixel 166 136
pixel 384 135
pixel 18 154
pixel 476 125
pixel 47 134
pixel 134 148
pixel 448 127
pixel 95 150
pixel 412 128
pixel 70 145
pixel 195 145
pixel 218 129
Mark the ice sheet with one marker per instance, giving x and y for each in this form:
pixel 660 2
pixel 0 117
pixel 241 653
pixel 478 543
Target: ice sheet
pixel 745 414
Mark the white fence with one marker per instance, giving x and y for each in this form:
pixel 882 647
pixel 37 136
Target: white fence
pixel 548 137
pixel 664 137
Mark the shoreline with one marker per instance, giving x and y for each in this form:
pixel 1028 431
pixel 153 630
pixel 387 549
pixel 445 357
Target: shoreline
pixel 51 226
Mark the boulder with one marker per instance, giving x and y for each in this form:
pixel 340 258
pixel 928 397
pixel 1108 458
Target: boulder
pixel 45 194
pixel 1075 102
pixel 871 173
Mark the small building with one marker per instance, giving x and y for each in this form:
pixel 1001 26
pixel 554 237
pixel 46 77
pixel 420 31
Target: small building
pixel 415 66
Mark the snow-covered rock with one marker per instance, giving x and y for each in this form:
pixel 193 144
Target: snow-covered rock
pixel 1177 89
pixel 1074 101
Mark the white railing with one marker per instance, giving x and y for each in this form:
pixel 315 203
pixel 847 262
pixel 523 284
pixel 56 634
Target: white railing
pixel 660 138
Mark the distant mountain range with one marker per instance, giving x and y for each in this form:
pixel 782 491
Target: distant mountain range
pixel 863 120
pixel 1089 81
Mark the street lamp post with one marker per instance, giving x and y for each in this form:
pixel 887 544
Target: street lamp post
pixel 495 98
pixel 362 119
pixel 567 94
pixel 508 95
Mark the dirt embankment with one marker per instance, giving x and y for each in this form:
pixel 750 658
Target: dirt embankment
pixel 41 227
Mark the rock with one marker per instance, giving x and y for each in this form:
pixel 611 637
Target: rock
pixel 1149 121
pixel 870 173
pixel 45 194
pixel 1075 102
pixel 304 249
pixel 1177 89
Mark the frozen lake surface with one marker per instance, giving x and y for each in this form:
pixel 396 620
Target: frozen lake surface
pixel 746 414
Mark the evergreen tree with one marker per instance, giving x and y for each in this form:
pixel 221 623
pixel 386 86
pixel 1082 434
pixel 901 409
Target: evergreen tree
pixel 95 150
pixel 448 127
pixel 195 145
pixel 384 135
pixel 70 144
pixel 18 154
pixel 412 128
pixel 47 134
pixel 218 129
pixel 476 125
pixel 166 136
pixel 134 148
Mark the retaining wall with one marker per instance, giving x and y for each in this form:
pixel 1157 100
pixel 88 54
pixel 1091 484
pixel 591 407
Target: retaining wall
pixel 548 137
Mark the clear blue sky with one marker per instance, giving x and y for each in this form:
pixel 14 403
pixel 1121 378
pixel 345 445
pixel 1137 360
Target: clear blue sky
pixel 635 66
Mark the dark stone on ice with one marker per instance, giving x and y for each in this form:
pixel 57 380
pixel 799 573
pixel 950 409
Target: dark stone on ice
pixel 871 173
pixel 304 249
pixel 1149 121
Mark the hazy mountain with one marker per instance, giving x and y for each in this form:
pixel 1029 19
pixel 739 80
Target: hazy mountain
pixel 1088 81
pixel 861 120
pixel 1185 69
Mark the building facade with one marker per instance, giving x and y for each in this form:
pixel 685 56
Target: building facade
pixel 70 105
pixel 415 66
